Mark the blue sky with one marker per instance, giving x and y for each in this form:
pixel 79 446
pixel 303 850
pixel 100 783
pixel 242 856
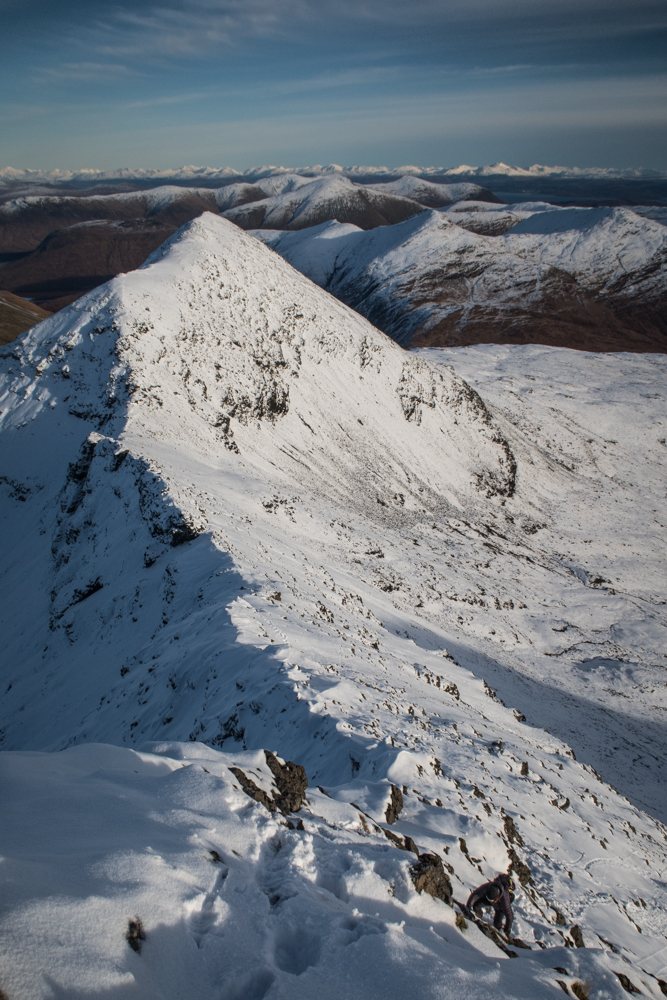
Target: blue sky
pixel 297 82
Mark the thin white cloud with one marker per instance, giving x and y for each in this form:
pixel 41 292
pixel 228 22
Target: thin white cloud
pixel 187 28
pixel 192 29
pixel 86 71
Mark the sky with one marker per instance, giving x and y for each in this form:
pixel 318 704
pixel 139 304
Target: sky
pixel 299 82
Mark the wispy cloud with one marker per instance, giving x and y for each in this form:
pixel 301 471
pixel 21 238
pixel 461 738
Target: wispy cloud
pixel 187 28
pixel 86 71
pixel 193 28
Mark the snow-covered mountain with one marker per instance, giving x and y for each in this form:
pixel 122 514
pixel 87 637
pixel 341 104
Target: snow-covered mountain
pixel 237 517
pixel 282 201
pixel 323 199
pixel 588 278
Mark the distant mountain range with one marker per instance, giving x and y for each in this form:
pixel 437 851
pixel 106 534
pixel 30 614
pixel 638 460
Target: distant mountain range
pixel 56 247
pixel 10 176
pixel 430 264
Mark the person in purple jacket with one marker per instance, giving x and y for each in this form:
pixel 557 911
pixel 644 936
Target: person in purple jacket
pixel 499 895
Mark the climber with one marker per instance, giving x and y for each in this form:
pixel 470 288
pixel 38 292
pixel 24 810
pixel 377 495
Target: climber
pixel 500 895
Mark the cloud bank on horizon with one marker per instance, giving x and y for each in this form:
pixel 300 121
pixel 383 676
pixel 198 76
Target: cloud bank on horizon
pixel 246 81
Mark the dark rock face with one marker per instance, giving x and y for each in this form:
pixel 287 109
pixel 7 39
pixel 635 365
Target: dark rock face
pixel 429 876
pixel 627 984
pixel 394 806
pixel 520 868
pixel 290 785
pixel 403 843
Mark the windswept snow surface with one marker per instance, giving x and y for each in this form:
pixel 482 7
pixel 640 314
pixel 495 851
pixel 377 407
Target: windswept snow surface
pixel 237 517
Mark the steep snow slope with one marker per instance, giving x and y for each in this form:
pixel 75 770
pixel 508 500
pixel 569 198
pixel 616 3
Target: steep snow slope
pixel 238 516
pixel 323 199
pixel 613 251
pixel 588 278
pixel 235 902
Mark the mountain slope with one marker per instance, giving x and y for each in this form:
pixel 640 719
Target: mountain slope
pixel 587 278
pixel 435 195
pixel 324 199
pixel 24 222
pixel 239 517
pixel 16 315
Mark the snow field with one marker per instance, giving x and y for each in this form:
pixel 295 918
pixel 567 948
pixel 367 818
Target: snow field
pixel 232 903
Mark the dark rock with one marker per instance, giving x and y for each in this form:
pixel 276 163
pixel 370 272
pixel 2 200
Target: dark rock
pixel 403 843
pixel 291 782
pixel 410 845
pixel 520 868
pixel 395 805
pixel 429 876
pixel 577 936
pixel 511 832
pixel 253 790
pixel 627 985
pixel 135 934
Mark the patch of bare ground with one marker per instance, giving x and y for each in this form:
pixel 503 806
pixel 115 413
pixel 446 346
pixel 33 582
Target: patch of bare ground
pixel 579 325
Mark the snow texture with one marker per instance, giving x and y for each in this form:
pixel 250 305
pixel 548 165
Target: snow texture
pixel 238 518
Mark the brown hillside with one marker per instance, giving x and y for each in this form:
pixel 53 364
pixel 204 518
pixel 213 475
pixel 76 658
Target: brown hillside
pixel 70 262
pixel 17 315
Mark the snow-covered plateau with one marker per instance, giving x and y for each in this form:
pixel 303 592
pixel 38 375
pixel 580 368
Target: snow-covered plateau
pixel 240 521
